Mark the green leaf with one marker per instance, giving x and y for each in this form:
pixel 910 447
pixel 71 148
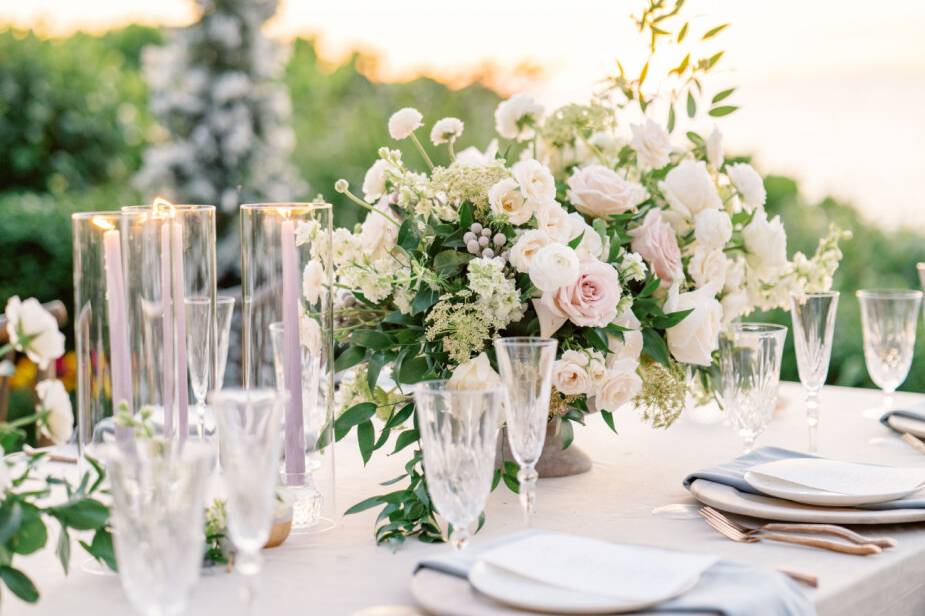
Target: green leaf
pixel 713 32
pixel 63 549
pixel 101 548
pixel 671 118
pixel 566 433
pixel 408 236
pixel 355 415
pixel 597 337
pixel 376 362
pixel 714 59
pixel 722 95
pixel 10 519
pixel 19 584
pixel 671 319
pixel 371 339
pixel 465 216
pixel 718 112
pixel 651 285
pixel 425 298
pixel 696 139
pixel 608 419
pixel 349 357
pixel 83 514
pixel 654 346
pixel 643 73
pixel 31 534
pixel 400 416
pixel 413 370
pixel 683 32
pixel 449 261
pixel 691 105
pixel 404 439
pixel 576 241
pixel 363 505
pixel 366 436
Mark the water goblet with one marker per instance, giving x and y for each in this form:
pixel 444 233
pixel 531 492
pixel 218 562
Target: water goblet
pixel 158 498
pixel 459 439
pixel 205 340
pixel 526 372
pixel 888 322
pixel 249 424
pixel 750 356
pixel 813 317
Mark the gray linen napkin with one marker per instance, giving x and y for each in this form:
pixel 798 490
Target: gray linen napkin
pixel 917 414
pixel 733 474
pixel 727 588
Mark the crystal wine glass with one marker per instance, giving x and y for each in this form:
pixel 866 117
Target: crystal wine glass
pixel 888 321
pixel 158 500
pixel 200 335
pixel 750 356
pixel 526 371
pixel 249 428
pixel 813 317
pixel 459 438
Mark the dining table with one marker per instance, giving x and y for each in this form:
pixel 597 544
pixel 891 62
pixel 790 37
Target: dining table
pixel 635 473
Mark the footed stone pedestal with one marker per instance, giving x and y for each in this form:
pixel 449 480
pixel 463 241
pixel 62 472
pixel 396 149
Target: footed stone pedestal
pixel 554 461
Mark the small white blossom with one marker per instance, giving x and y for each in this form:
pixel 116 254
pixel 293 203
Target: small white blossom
pixel 58 425
pixel 748 183
pixel 404 122
pixel 446 130
pixel 374 181
pixel 33 330
pixel 312 281
pixel 517 117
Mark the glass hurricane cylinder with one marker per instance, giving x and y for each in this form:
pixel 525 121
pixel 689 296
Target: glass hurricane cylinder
pixel 287 281
pixel 170 260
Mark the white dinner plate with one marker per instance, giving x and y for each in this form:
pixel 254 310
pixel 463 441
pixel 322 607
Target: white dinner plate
pixel 914 427
pixel 774 486
pixel 517 591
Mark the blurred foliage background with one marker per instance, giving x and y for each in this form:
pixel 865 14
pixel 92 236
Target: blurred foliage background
pixel 74 123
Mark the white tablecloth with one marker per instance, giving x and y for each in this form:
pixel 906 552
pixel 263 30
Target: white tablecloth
pixel 342 571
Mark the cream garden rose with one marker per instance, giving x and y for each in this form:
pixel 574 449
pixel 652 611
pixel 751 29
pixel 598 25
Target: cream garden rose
pixel 655 240
pixel 554 221
pixel 689 190
pixel 620 385
pixel 652 144
pixel 505 198
pixel 535 181
pixel 58 424
pixel 591 245
pixel 33 330
pixel 570 375
pixel 765 244
pixel 599 191
pixel 517 117
pixel 693 340
pixel 476 373
pixel 708 267
pixel 554 266
pixel 748 183
pixel 525 248
pixel 713 229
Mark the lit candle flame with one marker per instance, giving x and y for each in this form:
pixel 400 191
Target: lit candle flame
pixel 102 223
pixel 163 208
pixel 285 212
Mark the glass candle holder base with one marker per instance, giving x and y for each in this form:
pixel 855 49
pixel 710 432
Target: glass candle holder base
pixel 299 491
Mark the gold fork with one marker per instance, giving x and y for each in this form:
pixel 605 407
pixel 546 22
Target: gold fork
pixel 816 529
pixel 722 526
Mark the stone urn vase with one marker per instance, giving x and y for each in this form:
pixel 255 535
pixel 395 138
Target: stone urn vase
pixel 554 461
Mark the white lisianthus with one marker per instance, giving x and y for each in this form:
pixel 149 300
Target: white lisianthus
pixel 715 149
pixel 693 340
pixel 404 122
pixel 553 267
pixel 516 117
pixel 748 183
pixel 652 145
pixel 446 130
pixel 476 373
pixel 505 198
pixel 620 385
pixel 689 190
pixel 312 281
pixel 378 235
pixel 765 244
pixel 708 267
pixel 591 246
pixel 570 375
pixel 526 247
pixel 310 334
pixel 374 181
pixel 58 424
pixel 473 157
pixel 553 220
pixel 535 180
pixel 599 191
pixel 735 305
pixel 713 229
pixel 33 330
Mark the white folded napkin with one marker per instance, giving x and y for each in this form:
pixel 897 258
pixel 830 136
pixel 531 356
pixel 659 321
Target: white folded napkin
pixel 633 573
pixel 843 477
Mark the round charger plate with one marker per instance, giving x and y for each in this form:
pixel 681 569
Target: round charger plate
pixel 782 488
pixel 906 424
pixel 728 499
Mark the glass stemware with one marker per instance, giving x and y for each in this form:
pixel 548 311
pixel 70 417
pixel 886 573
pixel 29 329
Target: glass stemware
pixel 459 438
pixel 200 334
pixel 888 322
pixel 813 317
pixel 526 371
pixel 750 356
pixel 249 424
pixel 157 514
pixel 224 313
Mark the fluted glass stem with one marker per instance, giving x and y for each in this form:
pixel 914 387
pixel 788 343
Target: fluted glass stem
pixel 527 477
pixel 812 417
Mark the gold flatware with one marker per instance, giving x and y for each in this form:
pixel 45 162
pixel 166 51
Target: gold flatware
pixel 51 457
pixel 805 578
pixel 913 441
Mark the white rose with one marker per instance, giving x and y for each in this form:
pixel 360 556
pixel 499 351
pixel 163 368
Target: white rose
pixel 516 117
pixel 378 234
pixel 33 330
pixel 765 244
pixel 554 221
pixel 526 247
pixel 553 267
pixel 473 157
pixel 599 191
pixel 374 181
pixel 620 385
pixel 446 130
pixel 748 183
pixel 535 180
pixel 693 340
pixel 652 144
pixel 312 280
pixel 569 374
pixel 310 334
pixel 630 346
pixel 404 122
pixel 58 425
pixel 689 190
pixel 735 305
pixel 591 246
pixel 708 267
pixel 505 198
pixel 713 229
pixel 715 149
pixel 476 373
pixel 597 368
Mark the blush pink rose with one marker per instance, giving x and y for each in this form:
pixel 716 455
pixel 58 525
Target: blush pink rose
pixel 591 301
pixel 656 242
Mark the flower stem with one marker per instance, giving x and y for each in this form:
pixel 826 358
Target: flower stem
pixel 423 152
pixel 451 150
pixel 367 206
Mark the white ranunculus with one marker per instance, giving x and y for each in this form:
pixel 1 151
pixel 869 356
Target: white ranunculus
pixel 735 305
pixel 58 425
pixel 473 157
pixel 404 122
pixel 535 180
pixel 374 182
pixel 476 373
pixel 516 117
pixel 591 245
pixel 765 244
pixel 652 145
pixel 553 220
pixel 312 280
pixel 378 234
pixel 715 149
pixel 525 248
pixel 689 190
pixel 713 229
pixel 620 385
pixel 446 130
pixel 748 183
pixel 554 266
pixel 570 375
pixel 33 330
pixel 505 198
pixel 708 267
pixel 310 334
pixel 693 340
pixel 599 191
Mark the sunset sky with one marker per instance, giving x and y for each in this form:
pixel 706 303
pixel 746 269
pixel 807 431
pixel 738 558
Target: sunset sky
pixel 831 91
